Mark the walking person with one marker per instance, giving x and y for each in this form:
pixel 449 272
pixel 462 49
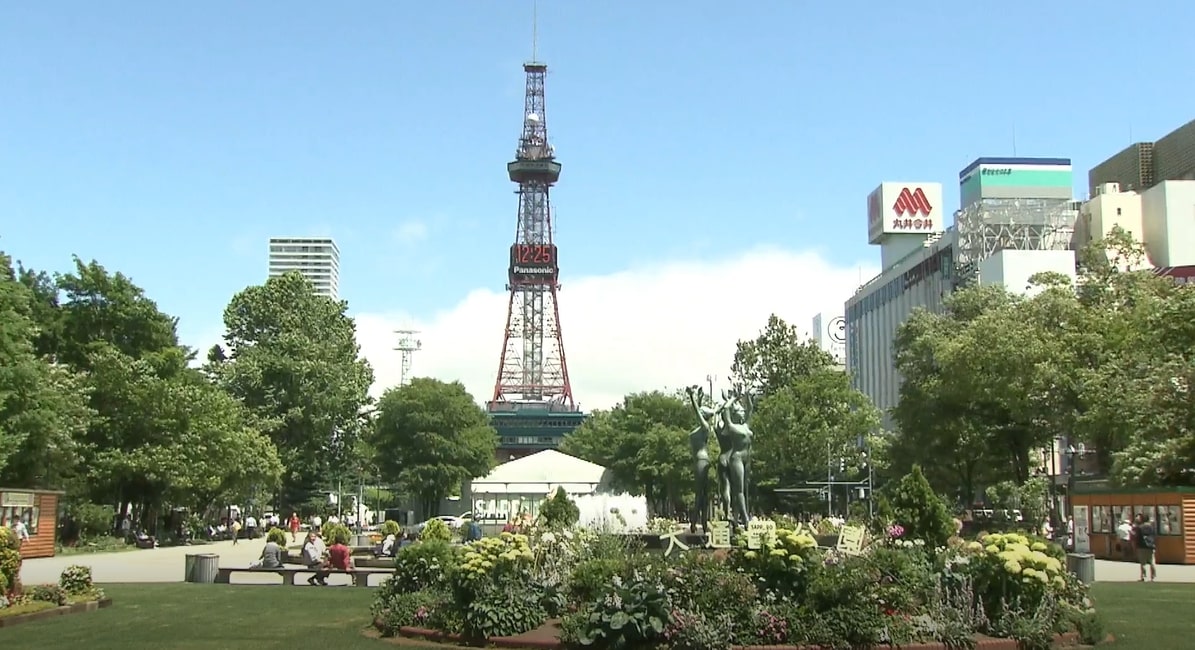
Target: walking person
pixel 1145 541
pixel 293 524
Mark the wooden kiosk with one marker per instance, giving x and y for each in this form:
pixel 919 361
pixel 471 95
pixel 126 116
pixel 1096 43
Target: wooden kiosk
pixel 1172 511
pixel 39 510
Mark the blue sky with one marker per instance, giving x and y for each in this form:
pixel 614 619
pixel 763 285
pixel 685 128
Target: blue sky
pixel 169 140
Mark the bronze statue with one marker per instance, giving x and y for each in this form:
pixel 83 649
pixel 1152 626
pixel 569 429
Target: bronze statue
pixel 699 439
pixel 727 421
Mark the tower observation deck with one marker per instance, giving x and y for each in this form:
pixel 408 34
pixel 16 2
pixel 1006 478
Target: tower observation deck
pixel 532 406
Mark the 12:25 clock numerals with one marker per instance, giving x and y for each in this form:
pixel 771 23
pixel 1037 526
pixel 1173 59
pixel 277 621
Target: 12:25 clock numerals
pixel 539 254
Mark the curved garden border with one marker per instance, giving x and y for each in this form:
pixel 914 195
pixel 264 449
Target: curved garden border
pixel 76 608
pixel 534 641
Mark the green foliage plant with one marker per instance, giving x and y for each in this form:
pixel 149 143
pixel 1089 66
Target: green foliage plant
pixel 390 527
pixel 277 535
pixel 336 534
pixel 76 579
pixel 435 530
pixel 560 511
pixel 423 566
pixel 784 566
pixel 630 614
pixel 49 594
pixel 395 610
pixel 920 510
pixel 695 630
pixel 10 561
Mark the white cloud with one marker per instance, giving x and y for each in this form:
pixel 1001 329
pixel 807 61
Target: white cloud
pixel 410 232
pixel 662 326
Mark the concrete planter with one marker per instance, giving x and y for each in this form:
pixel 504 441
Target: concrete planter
pixel 75 608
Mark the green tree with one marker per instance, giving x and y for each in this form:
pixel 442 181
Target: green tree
pixel 431 437
pixel 292 359
pixel 43 406
pixel 776 358
pixel 809 416
pixel 920 510
pixel 644 443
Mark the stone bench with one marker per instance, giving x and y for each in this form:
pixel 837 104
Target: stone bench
pixel 360 575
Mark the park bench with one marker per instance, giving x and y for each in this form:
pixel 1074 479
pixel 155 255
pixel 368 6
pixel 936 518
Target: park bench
pixel 360 575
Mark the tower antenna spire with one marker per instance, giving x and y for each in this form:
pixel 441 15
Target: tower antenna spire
pixel 534 30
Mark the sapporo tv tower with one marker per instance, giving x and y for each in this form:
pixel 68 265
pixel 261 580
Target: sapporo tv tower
pixel 533 408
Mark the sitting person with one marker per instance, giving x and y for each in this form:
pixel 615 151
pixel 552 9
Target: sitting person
pixel 387 548
pixel 340 557
pixel 313 557
pixel 273 554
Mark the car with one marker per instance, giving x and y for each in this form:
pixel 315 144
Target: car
pixel 449 520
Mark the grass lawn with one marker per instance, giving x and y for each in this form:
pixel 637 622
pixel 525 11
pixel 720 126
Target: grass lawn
pixel 1147 615
pixel 264 616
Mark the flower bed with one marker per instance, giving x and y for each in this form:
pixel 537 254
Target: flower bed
pixel 73 594
pixel 607 591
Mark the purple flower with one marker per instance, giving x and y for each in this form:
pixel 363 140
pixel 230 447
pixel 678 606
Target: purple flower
pixel 895 531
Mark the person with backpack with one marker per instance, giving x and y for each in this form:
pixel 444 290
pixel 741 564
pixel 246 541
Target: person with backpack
pixel 1145 541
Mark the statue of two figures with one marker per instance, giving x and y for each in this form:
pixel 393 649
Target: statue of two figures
pixel 727 422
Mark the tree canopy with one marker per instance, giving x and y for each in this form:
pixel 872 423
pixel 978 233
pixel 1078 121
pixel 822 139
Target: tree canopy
pixel 431 437
pixel 1102 363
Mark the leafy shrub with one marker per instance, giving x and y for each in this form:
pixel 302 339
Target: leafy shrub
pixel 1014 571
pixel 902 579
pixel 702 584
pixel 504 610
pixel 4 602
pixel 590 578
pixel 695 631
pixel 421 566
pixel 75 579
pixel 1091 628
pixel 276 535
pixel 920 510
pixel 49 594
pixel 390 527
pixel 435 530
pixel 336 534
pixel 559 511
pixel 781 566
pixel 398 610
pixel 87 521
pixel 10 561
pixel 629 614
pixel 507 557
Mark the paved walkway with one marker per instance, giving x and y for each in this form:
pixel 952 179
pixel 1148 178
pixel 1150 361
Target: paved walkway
pixel 166 565
pixel 157 564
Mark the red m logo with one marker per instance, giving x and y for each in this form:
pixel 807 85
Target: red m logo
pixel 912 203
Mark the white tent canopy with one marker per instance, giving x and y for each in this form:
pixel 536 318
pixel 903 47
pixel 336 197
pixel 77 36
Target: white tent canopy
pixel 541 473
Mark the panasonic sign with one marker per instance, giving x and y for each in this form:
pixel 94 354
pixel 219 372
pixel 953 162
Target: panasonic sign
pixel 533 270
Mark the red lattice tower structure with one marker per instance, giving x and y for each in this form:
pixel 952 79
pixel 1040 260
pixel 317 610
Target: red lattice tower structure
pixel 532 369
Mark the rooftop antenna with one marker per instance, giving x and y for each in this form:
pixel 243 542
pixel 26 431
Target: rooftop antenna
pixel 408 345
pixel 534 29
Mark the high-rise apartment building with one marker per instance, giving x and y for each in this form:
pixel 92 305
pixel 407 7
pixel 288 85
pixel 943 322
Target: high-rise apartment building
pixel 1145 164
pixel 316 258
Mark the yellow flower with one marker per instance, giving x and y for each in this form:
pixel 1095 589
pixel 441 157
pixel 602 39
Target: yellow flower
pixel 779 552
pixel 992 548
pixel 974 546
pixel 1038 546
pixel 750 555
pixel 1059 582
pixel 1012 566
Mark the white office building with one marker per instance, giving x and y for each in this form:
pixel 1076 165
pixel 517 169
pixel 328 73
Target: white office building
pixel 1159 217
pixel 316 258
pixel 829 332
pixel 1016 220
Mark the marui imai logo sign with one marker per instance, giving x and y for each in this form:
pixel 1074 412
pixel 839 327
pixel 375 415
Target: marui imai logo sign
pixel 903 208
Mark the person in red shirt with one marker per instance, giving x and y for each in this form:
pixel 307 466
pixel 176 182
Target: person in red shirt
pixel 340 557
pixel 294 526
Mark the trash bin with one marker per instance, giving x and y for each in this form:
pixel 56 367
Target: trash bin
pixel 1082 565
pixel 201 568
pixel 362 540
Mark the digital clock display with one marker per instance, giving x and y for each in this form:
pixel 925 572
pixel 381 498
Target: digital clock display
pixel 532 262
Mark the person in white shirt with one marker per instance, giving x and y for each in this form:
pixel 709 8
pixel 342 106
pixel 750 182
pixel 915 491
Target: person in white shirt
pixel 333 519
pixel 21 531
pixel 1124 536
pixel 251 527
pixel 313 557
pixel 316 522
